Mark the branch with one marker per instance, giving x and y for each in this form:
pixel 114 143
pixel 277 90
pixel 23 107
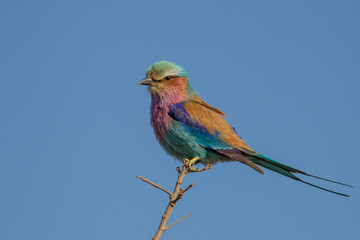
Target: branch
pixel 154 184
pixel 190 186
pixel 207 167
pixel 166 228
pixel 175 196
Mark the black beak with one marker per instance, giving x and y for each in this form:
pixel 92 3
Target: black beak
pixel 146 81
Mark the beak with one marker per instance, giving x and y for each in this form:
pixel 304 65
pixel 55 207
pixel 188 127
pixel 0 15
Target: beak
pixel 146 81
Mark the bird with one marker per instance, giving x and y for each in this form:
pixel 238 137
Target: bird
pixel 189 129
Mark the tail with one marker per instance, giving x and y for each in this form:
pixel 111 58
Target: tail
pixel 275 166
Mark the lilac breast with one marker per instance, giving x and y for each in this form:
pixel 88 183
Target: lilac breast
pixel 160 119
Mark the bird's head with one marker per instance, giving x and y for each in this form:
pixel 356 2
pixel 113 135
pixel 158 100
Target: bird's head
pixel 165 78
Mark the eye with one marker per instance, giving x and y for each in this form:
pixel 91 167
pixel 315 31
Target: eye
pixel 170 77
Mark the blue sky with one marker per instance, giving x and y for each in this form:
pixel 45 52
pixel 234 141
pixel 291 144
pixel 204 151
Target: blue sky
pixel 74 126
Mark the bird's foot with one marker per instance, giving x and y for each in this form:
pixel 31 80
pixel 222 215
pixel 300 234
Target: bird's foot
pixel 189 164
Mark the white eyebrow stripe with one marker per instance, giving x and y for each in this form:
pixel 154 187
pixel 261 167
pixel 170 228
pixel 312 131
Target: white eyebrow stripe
pixel 170 73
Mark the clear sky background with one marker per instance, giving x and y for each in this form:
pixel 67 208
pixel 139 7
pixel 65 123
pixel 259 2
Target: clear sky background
pixel 75 129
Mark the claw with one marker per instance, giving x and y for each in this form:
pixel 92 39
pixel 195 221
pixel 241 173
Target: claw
pixel 190 162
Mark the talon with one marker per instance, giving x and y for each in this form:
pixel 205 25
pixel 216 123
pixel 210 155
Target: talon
pixel 190 162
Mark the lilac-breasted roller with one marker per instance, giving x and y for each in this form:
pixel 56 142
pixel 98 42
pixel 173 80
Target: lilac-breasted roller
pixel 189 128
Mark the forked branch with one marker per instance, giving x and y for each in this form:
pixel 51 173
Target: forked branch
pixel 175 196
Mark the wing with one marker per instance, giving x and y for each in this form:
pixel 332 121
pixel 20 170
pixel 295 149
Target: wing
pixel 211 131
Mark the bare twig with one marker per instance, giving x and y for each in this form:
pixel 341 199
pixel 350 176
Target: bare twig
pixel 190 186
pixel 154 184
pixel 175 196
pixel 178 221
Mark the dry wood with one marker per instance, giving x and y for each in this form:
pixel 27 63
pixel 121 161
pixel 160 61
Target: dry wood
pixel 175 196
pixel 154 184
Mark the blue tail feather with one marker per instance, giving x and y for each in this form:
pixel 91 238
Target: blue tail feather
pixel 287 171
